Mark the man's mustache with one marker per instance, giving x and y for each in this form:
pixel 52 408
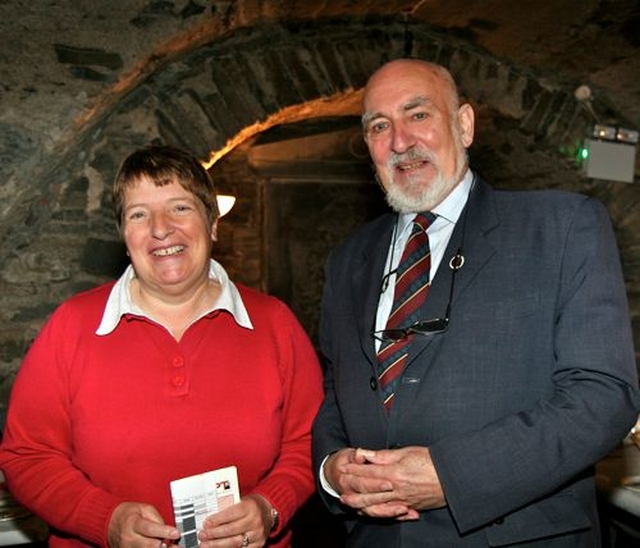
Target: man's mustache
pixel 412 155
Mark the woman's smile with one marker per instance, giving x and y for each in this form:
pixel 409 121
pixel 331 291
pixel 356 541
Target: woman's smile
pixel 169 251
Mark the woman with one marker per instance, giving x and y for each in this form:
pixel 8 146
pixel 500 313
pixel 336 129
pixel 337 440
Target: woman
pixel 171 371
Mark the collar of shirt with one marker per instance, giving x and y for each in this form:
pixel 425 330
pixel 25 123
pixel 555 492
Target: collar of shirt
pixel 448 212
pixel 119 302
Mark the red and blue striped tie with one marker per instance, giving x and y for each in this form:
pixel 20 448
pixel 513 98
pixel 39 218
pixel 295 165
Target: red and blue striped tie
pixel 411 289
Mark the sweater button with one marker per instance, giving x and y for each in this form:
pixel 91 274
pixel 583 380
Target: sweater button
pixel 178 381
pixel 177 361
pixel 373 383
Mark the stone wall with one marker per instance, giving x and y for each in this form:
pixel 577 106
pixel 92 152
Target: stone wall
pixel 59 237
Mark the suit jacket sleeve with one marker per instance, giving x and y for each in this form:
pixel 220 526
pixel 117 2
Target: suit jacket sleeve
pixel 328 431
pixel 519 458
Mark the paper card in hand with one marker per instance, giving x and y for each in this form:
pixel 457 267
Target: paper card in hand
pixel 196 497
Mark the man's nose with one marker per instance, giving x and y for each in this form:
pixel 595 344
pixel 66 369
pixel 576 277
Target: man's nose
pixel 402 139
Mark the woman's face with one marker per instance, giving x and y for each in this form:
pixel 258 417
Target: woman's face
pixel 168 237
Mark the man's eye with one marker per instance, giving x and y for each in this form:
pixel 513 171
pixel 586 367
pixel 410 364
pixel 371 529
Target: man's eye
pixel 378 127
pixel 420 115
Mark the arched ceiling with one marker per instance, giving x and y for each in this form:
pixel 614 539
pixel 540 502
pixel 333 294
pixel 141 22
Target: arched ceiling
pixel 62 61
pixel 83 80
pixel 67 64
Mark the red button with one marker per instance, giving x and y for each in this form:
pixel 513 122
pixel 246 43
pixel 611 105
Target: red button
pixel 178 380
pixel 178 361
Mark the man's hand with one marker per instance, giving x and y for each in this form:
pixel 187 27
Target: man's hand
pixel 336 473
pixel 391 483
pixel 137 525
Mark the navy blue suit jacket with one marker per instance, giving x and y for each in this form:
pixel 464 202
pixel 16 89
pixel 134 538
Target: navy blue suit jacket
pixel 533 382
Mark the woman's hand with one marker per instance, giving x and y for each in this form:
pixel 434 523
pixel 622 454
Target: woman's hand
pixel 137 525
pixel 246 523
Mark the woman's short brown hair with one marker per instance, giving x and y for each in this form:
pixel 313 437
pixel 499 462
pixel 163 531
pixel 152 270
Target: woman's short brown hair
pixel 163 164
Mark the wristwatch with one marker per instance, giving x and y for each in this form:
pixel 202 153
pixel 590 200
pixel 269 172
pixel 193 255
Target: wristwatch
pixel 275 516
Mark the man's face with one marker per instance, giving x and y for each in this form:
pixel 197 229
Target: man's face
pixel 417 144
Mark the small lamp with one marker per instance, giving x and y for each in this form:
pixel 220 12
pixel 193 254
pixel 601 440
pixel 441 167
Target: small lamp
pixel 610 153
pixel 225 203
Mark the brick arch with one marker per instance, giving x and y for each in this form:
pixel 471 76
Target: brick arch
pixel 219 94
pixel 213 98
pixel 237 87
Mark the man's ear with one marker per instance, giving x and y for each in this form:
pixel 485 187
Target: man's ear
pixel 466 119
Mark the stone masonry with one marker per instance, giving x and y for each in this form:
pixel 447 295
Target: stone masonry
pixel 57 230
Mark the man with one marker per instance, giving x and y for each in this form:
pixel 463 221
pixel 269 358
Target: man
pixel 518 368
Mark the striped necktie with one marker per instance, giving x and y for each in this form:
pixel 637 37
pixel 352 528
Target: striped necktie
pixel 411 289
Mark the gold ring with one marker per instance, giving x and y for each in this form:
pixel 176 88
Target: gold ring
pixel 245 540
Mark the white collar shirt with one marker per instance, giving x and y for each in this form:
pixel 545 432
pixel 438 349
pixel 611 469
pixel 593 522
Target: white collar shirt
pixel 120 303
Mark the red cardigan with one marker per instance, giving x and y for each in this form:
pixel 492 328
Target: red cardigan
pixel 98 420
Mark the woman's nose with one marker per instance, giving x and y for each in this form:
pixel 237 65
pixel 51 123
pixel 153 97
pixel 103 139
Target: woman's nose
pixel 161 226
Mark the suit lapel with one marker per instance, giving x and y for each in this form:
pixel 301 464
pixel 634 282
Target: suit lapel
pixel 366 283
pixel 474 238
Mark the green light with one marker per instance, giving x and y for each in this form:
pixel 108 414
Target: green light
pixel 581 155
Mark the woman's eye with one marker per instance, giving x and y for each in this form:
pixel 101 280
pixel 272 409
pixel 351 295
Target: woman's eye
pixel 136 215
pixel 182 208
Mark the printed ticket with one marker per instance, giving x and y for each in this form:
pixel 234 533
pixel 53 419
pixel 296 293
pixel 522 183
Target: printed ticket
pixel 196 497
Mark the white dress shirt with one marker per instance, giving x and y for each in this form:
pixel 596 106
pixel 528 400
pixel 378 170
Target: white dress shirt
pixel 120 302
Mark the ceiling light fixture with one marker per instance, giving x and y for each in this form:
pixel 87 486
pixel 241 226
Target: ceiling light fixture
pixel 609 151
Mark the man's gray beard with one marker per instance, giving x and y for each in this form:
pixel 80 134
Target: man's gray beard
pixel 430 196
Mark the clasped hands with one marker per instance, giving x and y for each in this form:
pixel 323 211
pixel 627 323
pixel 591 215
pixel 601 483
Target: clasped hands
pixel 389 483
pixel 137 525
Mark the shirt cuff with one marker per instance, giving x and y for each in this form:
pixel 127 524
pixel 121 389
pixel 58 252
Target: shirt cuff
pixel 323 480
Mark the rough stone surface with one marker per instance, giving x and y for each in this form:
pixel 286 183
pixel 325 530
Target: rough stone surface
pixel 82 83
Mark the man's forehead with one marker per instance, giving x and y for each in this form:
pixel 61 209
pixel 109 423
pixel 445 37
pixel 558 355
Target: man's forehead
pixel 404 105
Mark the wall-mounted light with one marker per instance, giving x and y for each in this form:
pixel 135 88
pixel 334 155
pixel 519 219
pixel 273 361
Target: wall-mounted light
pixel 608 133
pixel 225 203
pixel 609 153
pixel 627 136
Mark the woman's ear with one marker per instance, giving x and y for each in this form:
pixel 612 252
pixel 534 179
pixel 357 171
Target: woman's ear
pixel 214 231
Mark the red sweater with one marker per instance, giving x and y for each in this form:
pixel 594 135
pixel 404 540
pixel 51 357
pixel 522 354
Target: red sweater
pixel 98 420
